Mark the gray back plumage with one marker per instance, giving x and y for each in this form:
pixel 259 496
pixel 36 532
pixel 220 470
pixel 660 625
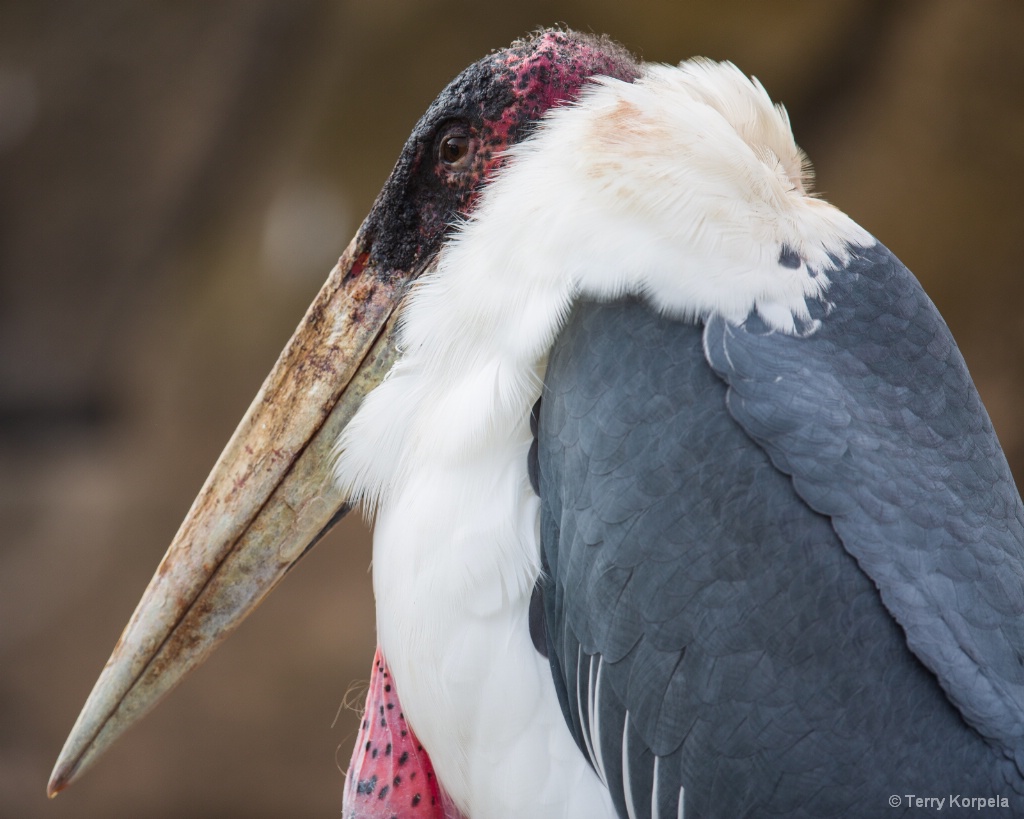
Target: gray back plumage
pixel 784 574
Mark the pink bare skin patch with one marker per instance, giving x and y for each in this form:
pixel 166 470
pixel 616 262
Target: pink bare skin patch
pixel 390 775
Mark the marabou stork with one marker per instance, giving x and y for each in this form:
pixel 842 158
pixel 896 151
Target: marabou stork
pixel 685 501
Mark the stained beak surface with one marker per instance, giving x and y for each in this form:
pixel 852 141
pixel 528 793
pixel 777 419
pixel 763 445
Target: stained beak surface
pixel 268 499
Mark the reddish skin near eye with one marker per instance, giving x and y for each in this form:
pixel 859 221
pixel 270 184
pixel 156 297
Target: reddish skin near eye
pixel 390 775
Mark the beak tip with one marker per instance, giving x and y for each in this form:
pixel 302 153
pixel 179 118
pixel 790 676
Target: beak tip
pixel 58 782
pixel 65 772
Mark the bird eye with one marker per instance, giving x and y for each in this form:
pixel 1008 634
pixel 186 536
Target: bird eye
pixel 454 150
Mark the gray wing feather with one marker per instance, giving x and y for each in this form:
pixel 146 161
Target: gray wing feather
pixel 750 649
pixel 877 420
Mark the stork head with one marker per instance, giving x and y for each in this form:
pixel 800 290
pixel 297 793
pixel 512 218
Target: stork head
pixel 271 495
pixel 460 140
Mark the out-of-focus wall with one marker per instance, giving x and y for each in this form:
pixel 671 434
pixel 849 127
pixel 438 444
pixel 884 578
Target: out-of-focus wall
pixel 176 180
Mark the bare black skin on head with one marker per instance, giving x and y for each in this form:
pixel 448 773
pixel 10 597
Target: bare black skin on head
pixel 494 103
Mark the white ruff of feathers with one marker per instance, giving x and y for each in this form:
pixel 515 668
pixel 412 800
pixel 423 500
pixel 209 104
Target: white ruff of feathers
pixel 681 187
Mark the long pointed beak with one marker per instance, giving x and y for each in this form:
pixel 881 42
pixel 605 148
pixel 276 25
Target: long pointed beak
pixel 267 501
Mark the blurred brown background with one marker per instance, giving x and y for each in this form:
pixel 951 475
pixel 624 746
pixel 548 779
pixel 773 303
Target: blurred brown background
pixel 176 178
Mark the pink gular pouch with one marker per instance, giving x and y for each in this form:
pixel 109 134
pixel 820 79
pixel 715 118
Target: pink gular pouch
pixel 390 775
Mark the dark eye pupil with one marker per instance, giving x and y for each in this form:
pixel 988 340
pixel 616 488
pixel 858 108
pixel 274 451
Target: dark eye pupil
pixel 454 148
